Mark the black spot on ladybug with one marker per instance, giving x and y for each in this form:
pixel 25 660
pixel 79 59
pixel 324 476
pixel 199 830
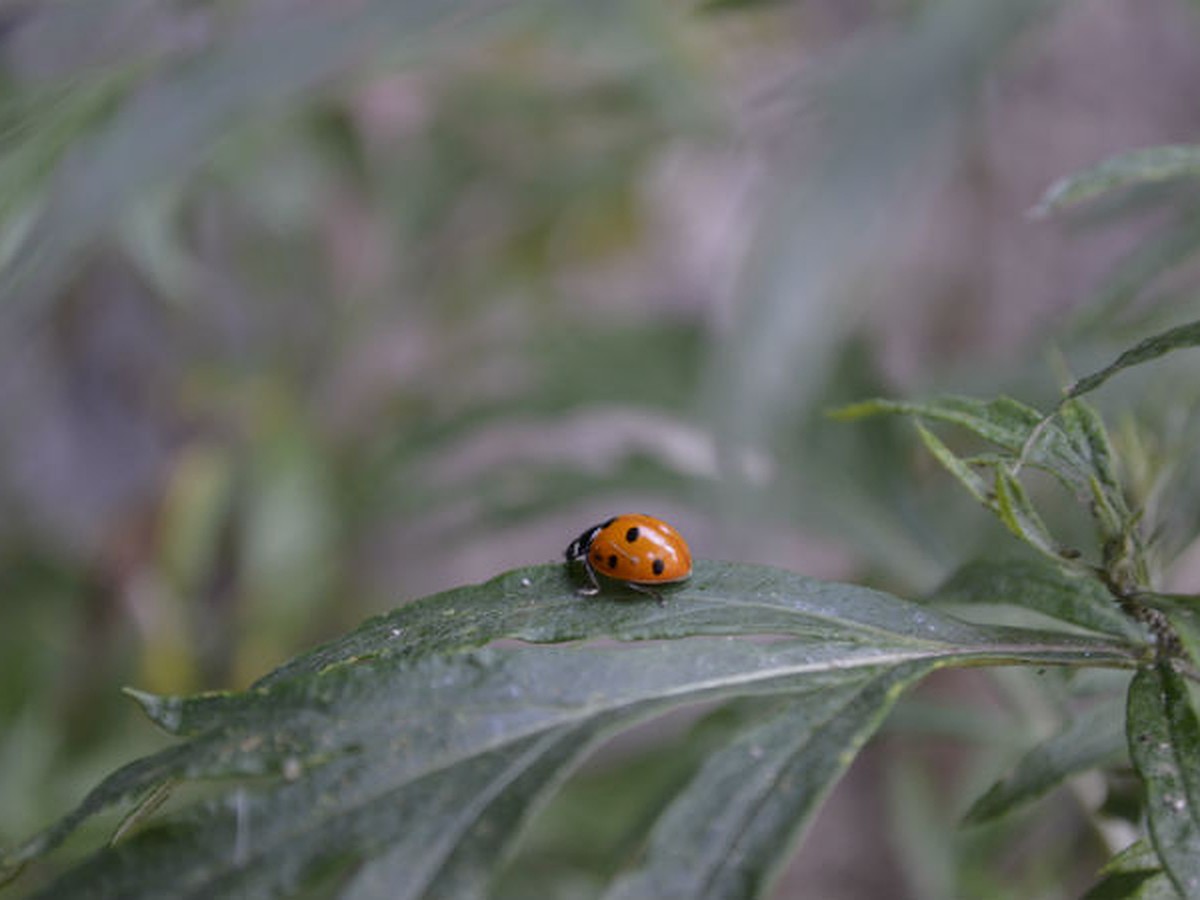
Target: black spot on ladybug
pixel 612 560
pixel 658 566
pixel 632 534
pixel 598 556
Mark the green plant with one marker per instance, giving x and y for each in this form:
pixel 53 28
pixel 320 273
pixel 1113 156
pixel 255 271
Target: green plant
pixel 406 757
pixel 437 750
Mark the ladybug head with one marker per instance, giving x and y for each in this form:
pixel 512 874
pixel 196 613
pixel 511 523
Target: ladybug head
pixel 579 547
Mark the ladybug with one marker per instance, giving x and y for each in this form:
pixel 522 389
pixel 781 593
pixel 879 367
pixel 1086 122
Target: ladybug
pixel 638 550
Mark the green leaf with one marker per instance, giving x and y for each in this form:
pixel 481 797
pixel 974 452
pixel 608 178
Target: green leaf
pixel 1091 452
pixel 349 746
pixel 270 843
pixel 440 835
pixel 1042 586
pixel 1070 444
pixel 1004 422
pixel 491 836
pixel 728 831
pixel 538 605
pixel 1134 874
pixel 1178 338
pixel 975 484
pixel 1017 512
pixel 1137 857
pixel 1136 885
pixel 1164 744
pixel 1148 165
pixel 1092 739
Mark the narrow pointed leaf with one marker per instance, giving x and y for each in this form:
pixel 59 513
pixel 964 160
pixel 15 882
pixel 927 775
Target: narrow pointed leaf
pixel 1084 429
pixel 1134 874
pixel 1145 166
pixel 1006 498
pixel 1178 338
pixel 1095 738
pixel 1004 422
pixel 1164 744
pixel 975 484
pixel 1137 857
pixel 727 833
pixel 1135 885
pixel 1017 512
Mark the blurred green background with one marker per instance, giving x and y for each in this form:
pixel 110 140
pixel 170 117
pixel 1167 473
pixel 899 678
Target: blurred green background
pixel 307 309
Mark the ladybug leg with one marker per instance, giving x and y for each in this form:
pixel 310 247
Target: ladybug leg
pixel 594 589
pixel 642 589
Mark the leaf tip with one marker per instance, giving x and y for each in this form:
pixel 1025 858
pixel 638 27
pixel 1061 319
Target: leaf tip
pixel 165 712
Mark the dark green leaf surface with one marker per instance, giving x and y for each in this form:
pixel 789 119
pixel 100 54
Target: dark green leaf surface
pixel 1164 744
pixel 407 722
pixel 1126 170
pixel 538 604
pixel 487 833
pixel 1178 338
pixel 1041 586
pixel 439 835
pixel 1138 885
pixel 726 834
pixel 1095 738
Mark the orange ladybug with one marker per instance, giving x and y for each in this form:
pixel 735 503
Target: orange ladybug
pixel 635 549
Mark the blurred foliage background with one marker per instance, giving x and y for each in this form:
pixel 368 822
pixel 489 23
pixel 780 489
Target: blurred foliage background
pixel 307 309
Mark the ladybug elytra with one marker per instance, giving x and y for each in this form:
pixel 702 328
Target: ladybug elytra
pixel 636 549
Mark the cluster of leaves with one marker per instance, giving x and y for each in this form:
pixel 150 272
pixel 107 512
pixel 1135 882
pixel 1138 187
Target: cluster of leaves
pixel 1107 593
pixel 407 755
pixel 405 758
pixel 412 756
pixel 211 155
